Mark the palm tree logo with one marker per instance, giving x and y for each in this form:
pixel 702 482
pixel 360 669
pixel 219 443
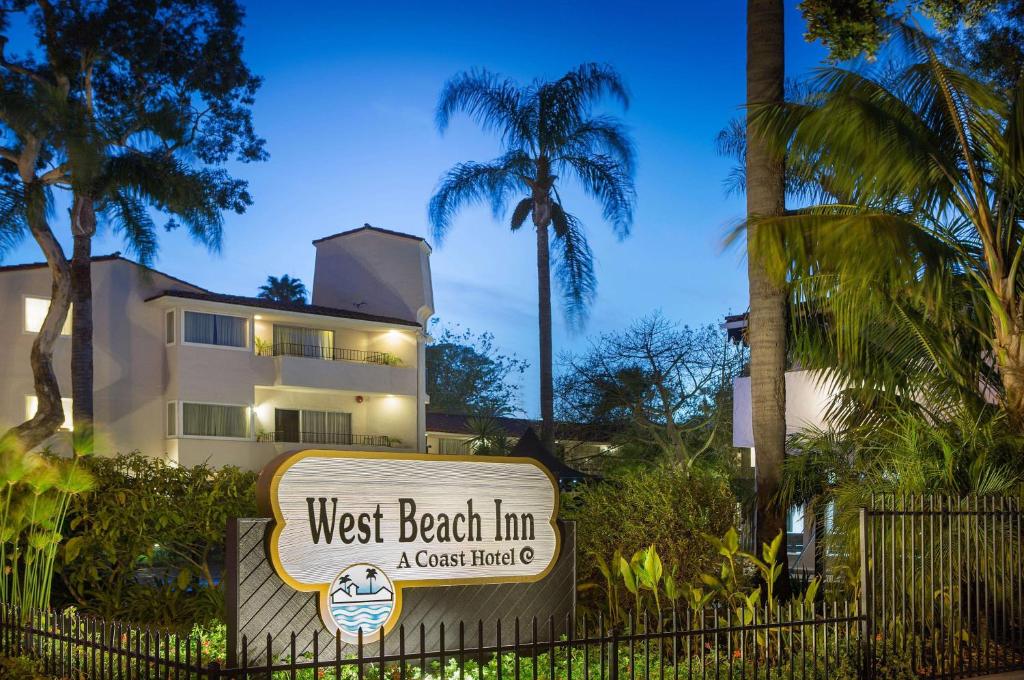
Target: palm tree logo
pixel 371 574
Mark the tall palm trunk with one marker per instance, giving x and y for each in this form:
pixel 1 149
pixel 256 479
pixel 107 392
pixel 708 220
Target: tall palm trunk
pixel 766 330
pixel 50 414
pixel 547 389
pixel 83 227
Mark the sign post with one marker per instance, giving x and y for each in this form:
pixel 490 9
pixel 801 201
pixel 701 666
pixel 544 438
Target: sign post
pixel 360 528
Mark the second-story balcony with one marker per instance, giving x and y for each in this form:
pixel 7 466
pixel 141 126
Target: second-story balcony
pixel 327 353
pixel 338 368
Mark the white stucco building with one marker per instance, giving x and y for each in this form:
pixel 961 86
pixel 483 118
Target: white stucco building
pixel 197 376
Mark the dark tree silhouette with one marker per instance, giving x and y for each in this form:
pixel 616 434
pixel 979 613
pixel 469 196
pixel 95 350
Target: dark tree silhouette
pixel 284 289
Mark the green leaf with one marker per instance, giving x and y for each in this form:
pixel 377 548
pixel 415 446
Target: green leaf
pixel 627 575
pixel 73 548
pixel 184 578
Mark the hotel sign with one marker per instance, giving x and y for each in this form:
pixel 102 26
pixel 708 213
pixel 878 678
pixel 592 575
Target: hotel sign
pixel 358 528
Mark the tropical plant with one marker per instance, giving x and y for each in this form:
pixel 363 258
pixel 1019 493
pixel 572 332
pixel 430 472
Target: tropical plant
pixel 766 327
pixel 924 164
pixel 665 506
pixel 284 289
pixel 549 134
pixel 489 436
pixel 835 472
pixel 34 499
pixel 128 135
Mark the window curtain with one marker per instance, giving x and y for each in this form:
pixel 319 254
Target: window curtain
pixel 326 427
pixel 451 446
pixel 214 420
pixel 215 329
pixel 304 342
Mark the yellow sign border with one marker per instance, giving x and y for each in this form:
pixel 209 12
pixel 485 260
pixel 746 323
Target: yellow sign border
pixel 266 497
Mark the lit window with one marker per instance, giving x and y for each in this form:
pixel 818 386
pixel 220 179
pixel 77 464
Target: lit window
pixel 35 313
pixel 214 420
pixel 215 329
pixel 32 405
pixel 451 445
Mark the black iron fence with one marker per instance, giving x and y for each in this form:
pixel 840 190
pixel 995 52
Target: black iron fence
pixel 941 595
pixel 943 584
pixel 802 642
pixel 328 353
pixel 339 438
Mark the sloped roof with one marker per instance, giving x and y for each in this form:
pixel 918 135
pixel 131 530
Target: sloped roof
pixel 260 303
pixel 461 423
pixel 370 227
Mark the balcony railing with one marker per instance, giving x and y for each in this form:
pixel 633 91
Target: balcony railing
pixel 291 349
pixel 344 439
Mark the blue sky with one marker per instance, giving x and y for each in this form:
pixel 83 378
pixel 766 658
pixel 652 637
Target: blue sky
pixel 347 111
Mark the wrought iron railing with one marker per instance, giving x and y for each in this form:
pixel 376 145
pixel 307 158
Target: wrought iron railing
pixel 293 349
pixel 805 642
pixel 339 438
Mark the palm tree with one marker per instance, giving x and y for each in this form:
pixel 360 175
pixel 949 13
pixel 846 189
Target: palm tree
pixel 766 330
pixel 371 574
pixel 548 133
pixel 284 289
pixel 921 221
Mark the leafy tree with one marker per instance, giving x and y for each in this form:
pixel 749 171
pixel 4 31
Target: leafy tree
pixel 284 289
pixel 923 165
pixel 467 374
pixel 766 332
pixel 156 98
pixel 656 384
pixel 169 520
pixel 549 134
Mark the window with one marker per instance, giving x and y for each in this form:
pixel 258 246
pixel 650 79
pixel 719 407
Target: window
pixel 35 313
pixel 303 342
pixel 172 419
pixel 169 320
pixel 32 405
pixel 450 445
pixel 215 329
pixel 214 420
pixel 326 427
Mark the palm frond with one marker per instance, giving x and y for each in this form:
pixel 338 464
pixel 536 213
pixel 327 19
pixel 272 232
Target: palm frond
pixel 473 183
pixel 495 104
pixel 574 265
pixel 606 180
pixel 521 212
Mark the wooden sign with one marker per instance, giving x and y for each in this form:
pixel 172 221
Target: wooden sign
pixel 359 527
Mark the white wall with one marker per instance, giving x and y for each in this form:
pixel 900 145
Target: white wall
pixel 806 402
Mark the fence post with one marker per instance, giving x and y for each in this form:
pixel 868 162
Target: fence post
pixel 213 670
pixel 865 599
pixel 613 662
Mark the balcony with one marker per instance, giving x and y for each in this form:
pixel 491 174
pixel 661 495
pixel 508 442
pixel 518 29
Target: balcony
pixel 290 349
pixel 334 439
pixel 336 368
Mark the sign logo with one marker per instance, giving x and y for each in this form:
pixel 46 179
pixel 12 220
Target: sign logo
pixel 359 527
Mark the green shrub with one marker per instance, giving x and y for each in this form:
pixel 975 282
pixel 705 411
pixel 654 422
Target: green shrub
pixel 666 507
pixel 142 543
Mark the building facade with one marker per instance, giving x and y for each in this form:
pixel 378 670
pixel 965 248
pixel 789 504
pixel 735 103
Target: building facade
pixel 200 377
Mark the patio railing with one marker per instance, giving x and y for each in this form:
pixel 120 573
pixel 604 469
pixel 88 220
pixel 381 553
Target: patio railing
pixel 292 349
